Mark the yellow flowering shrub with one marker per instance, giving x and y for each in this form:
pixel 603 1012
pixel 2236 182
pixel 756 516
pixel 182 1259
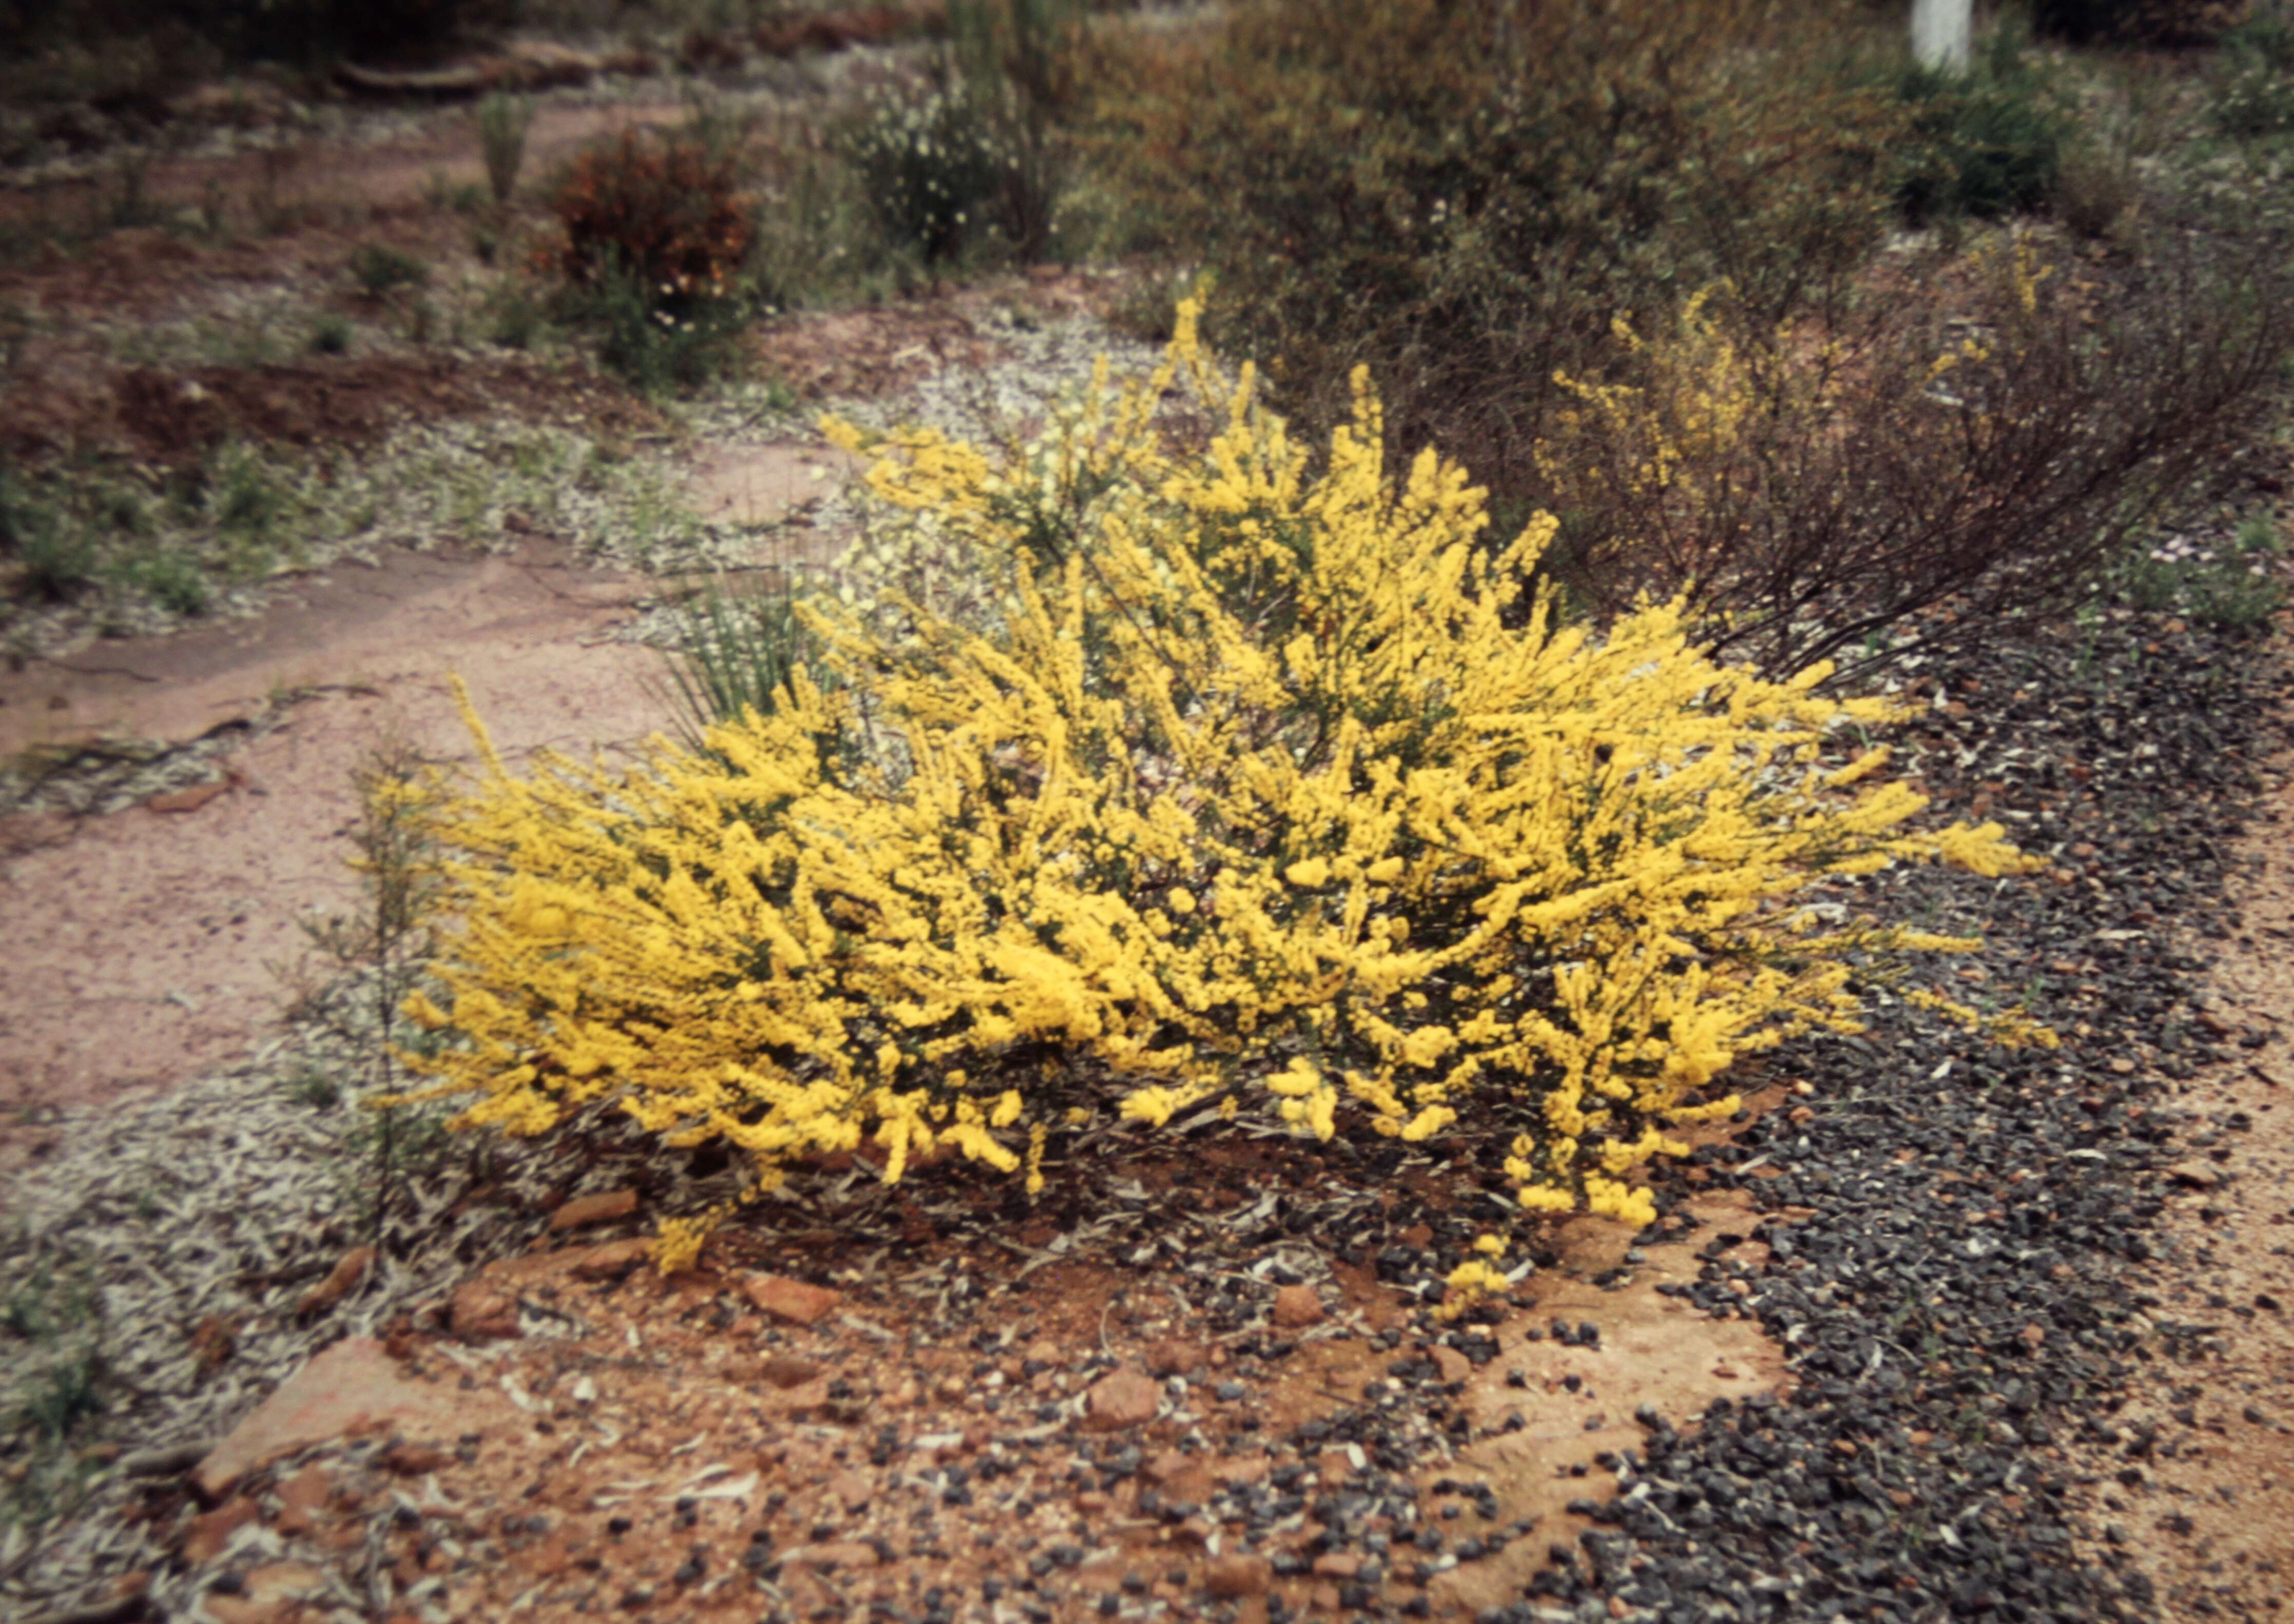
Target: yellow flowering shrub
pixel 1265 786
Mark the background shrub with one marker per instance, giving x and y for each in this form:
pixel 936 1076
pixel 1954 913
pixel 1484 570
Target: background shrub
pixel 654 239
pixel 930 166
pixel 1023 64
pixel 1988 142
pixel 2153 22
pixel 2253 94
pixel 1466 194
pixel 668 212
pixel 1991 446
pixel 1259 789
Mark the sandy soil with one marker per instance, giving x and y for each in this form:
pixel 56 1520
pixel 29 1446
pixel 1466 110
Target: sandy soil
pixel 2197 1490
pixel 153 945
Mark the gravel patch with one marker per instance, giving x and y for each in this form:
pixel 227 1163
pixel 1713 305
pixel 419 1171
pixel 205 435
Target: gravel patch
pixel 1951 1230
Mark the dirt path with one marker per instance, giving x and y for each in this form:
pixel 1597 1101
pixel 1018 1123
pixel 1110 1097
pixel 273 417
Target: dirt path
pixel 156 943
pixel 2197 1489
pixel 387 172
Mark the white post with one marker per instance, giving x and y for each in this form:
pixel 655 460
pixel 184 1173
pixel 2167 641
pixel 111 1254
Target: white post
pixel 1939 33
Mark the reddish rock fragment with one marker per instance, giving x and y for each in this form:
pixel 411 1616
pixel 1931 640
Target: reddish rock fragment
pixel 1237 1576
pixel 787 1370
pixel 482 1310
pixel 413 1459
pixel 302 1502
pixel 211 1531
pixel 350 1385
pixel 600 1208
pixel 794 1301
pixel 611 1261
pixel 341 1280
pixel 1119 1400
pixel 1174 1356
pixel 187 800
pixel 1296 1307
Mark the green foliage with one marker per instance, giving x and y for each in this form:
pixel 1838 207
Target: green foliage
pixel 171 578
pixel 382 270
pixel 64 1390
pixel 315 1087
pixel 52 1379
pixel 54 556
pixel 820 235
pixel 385 945
pixel 1989 142
pixel 2253 91
pixel 331 334
pixel 503 121
pixel 737 654
pixel 514 313
pixel 2233 582
pixel 246 498
pixel 660 345
pixel 1021 63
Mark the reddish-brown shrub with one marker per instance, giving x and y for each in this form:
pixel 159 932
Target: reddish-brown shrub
pixel 668 212
pixel 1978 439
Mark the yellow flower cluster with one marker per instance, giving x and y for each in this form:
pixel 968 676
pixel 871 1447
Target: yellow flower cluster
pixel 1263 787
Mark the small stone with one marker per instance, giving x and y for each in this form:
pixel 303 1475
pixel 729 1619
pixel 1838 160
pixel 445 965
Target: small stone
pixel 2195 1175
pixel 302 1501
pixel 1296 1307
pixel 854 1489
pixel 1244 1469
pixel 794 1301
pixel 1237 1576
pixel 1175 1356
pixel 836 1553
pixel 352 1385
pixel 600 1208
pixel 787 1371
pixel 482 1310
pixel 341 1280
pixel 187 800
pixel 413 1459
pixel 1455 1366
pixel 1120 1400
pixel 1336 1565
pixel 212 1530
pixel 611 1261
